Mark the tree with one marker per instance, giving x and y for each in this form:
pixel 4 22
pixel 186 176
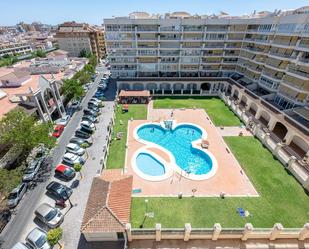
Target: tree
pixel 78 168
pixel 22 130
pixel 54 235
pixel 39 53
pixel 83 53
pixel 89 68
pixel 72 89
pixel 93 60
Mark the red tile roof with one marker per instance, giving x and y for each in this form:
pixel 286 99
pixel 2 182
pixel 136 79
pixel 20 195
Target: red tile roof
pixel 144 93
pixel 109 203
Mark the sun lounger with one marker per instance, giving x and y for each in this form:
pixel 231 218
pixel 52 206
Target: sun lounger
pixel 241 212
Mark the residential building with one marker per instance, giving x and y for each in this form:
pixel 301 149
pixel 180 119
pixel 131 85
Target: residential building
pixel 35 85
pixel 15 48
pixel 260 62
pixel 76 37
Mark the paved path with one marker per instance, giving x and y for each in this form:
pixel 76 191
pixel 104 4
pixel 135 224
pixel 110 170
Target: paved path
pixel 23 221
pixel 233 131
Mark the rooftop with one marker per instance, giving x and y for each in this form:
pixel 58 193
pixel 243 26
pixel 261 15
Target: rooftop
pixel 109 203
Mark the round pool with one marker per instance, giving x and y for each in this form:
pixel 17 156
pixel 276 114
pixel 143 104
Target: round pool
pixel 149 165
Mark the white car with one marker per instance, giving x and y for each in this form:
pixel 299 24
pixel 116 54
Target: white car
pixel 71 159
pixel 64 120
pixel 37 239
pixel 87 125
pixel 75 149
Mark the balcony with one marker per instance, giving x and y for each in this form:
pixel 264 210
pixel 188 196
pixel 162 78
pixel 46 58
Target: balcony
pixel 214 46
pixel 281 55
pixel 297 72
pixel 293 85
pixel 283 43
pixel 272 76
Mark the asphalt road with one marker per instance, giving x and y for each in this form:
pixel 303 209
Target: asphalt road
pixel 15 229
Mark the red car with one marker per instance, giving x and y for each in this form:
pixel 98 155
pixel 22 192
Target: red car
pixel 58 131
pixel 65 172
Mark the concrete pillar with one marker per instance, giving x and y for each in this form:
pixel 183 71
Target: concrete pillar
pixel 172 91
pixel 201 91
pixel 288 137
pixel 45 107
pixel 271 123
pixel 188 229
pixel 158 232
pixel 267 135
pixel 128 231
pixel 258 113
pixel 256 129
pixel 217 231
pixel 248 230
pixel 276 231
pixel 304 233
pixel 278 147
pixel 163 91
pixel 181 91
pixel 191 91
pixel 291 161
pixel 41 113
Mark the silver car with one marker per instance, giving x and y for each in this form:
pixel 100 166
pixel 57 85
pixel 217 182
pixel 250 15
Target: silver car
pixel 75 149
pixel 32 170
pixel 50 216
pixel 20 245
pixel 16 195
pixel 37 239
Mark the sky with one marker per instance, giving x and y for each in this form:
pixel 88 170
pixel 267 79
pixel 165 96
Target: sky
pixel 93 11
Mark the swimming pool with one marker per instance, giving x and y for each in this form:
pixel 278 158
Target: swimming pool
pixel 179 142
pixel 149 165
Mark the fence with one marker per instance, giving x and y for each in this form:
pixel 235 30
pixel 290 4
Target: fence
pixel 217 233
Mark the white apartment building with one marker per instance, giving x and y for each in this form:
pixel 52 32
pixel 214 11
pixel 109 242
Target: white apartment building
pixel 267 52
pixel 258 64
pixel 18 48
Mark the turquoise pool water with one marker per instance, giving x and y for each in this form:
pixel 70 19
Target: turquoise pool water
pixel 178 142
pixel 149 165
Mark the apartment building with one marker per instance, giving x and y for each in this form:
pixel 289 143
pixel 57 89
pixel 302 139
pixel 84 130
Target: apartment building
pixel 15 48
pixel 76 37
pixel 266 52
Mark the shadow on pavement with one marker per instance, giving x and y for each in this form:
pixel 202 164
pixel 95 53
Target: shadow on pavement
pixel 83 244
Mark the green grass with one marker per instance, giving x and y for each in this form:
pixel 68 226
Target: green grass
pixel 117 149
pixel 282 199
pixel 215 108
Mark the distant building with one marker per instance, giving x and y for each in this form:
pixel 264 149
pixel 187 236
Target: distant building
pixel 15 48
pixel 76 37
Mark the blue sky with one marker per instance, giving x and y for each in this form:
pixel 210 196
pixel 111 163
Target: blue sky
pixel 93 11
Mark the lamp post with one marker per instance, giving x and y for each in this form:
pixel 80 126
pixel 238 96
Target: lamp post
pixel 146 213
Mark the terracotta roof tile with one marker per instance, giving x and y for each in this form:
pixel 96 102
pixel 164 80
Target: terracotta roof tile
pixel 109 203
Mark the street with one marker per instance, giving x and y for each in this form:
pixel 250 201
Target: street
pixel 23 221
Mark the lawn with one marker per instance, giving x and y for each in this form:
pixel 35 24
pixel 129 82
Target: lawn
pixel 116 156
pixel 219 113
pixel 282 199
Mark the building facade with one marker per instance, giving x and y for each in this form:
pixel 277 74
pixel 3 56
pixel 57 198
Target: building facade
pixel 15 48
pixel 76 37
pixel 267 52
pixel 258 64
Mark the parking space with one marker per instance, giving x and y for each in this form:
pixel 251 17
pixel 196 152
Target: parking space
pixel 23 220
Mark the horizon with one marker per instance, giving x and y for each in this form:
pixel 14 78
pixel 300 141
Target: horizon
pixel 78 10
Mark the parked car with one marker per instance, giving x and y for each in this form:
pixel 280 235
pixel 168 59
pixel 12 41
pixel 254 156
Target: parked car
pixel 90 112
pixel 71 159
pixel 58 130
pixel 65 172
pixel 75 149
pixel 99 97
pixel 94 103
pixel 80 141
pixel 75 104
pixel 94 108
pixel 60 191
pixel 50 216
pixel 96 100
pixel 82 133
pixel 37 239
pixel 32 169
pixel 90 118
pixel 64 120
pixel 21 245
pixel 88 126
pixel 16 195
pixel 5 217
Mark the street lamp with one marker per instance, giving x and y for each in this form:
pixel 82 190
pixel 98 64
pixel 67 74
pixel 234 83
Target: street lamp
pixel 146 213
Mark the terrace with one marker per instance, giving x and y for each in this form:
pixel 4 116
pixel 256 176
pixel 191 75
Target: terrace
pixel 275 186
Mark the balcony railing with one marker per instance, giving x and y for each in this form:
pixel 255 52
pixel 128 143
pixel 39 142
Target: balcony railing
pixel 296 71
pixel 292 84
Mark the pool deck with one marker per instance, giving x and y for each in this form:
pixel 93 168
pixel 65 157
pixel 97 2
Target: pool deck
pixel 229 178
